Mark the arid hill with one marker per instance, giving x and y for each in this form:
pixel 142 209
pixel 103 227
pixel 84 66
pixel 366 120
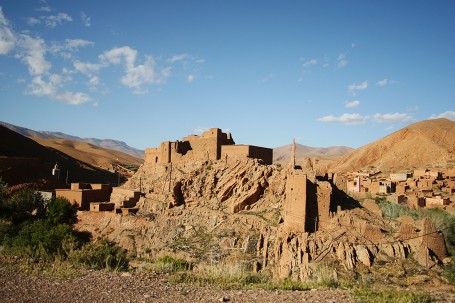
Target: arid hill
pixel 426 143
pixel 89 153
pixel 23 160
pixel 106 143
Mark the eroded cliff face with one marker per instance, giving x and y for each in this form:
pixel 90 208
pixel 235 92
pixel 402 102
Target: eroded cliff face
pixel 214 211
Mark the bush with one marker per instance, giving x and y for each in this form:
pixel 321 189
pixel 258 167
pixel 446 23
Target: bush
pixel 23 205
pixel 170 264
pixel 389 296
pixel 60 211
pixel 101 255
pixel 39 240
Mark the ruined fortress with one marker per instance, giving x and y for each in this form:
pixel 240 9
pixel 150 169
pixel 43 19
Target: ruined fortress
pixel 211 145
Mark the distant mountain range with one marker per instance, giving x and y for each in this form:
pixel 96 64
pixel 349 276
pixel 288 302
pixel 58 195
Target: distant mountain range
pixel 106 143
pixel 283 154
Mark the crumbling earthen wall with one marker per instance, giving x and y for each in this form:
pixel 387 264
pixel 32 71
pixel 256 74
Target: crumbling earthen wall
pixel 204 147
pixel 294 212
pixel 247 151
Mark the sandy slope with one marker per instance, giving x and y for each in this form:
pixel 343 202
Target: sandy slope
pixel 90 153
pixel 426 143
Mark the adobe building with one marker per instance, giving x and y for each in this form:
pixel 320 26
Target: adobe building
pixel 211 145
pixel 247 151
pixel 84 193
pixel 294 207
pixel 307 204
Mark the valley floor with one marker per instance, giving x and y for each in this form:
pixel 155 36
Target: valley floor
pixel 100 286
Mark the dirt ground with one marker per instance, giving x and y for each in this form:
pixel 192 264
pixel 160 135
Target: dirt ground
pixel 100 286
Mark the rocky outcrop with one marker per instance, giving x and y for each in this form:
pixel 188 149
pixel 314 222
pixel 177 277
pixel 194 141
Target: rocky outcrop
pixel 211 211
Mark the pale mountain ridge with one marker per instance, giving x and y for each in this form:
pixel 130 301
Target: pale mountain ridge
pixel 282 154
pixel 428 143
pixel 105 143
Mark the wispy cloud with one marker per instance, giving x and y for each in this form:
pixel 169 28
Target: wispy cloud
pixel 309 63
pixel 392 118
pixel 86 20
pixel 448 115
pixel 342 61
pixel 383 82
pixel 347 119
pixel 7 37
pixel 266 78
pixel 69 46
pixel 46 9
pixel 50 21
pixel 352 104
pixel 353 88
pixel 176 58
pixel 190 78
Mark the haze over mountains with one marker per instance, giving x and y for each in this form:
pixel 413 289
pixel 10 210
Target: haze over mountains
pixel 106 143
pixel 427 143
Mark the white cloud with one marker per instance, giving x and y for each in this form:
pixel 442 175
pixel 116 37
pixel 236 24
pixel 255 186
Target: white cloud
pixel 53 21
pixel 383 82
pixel 7 37
pixel 87 68
pixel 94 80
pixel 309 63
pixel 34 56
pixel 176 58
pixel 50 21
pixel 67 48
pixel 46 9
pixel 86 20
pixel 73 98
pixel 392 118
pixel 342 60
pixel 348 119
pixel 448 115
pixel 135 75
pixel 352 104
pixel 50 88
pixel 355 87
pixel 33 21
pixel 190 78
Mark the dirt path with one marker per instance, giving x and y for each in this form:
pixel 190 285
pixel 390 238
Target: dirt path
pixel 99 286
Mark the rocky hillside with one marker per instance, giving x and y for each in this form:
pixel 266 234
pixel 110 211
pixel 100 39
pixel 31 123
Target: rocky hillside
pixel 217 212
pixel 426 143
pixel 105 143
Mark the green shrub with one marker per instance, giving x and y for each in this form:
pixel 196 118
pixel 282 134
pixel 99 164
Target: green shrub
pixel 60 211
pixel 101 255
pixel 170 264
pixel 39 240
pixel 368 295
pixel 22 205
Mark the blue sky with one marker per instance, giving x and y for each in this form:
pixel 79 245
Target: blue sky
pixel 325 72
